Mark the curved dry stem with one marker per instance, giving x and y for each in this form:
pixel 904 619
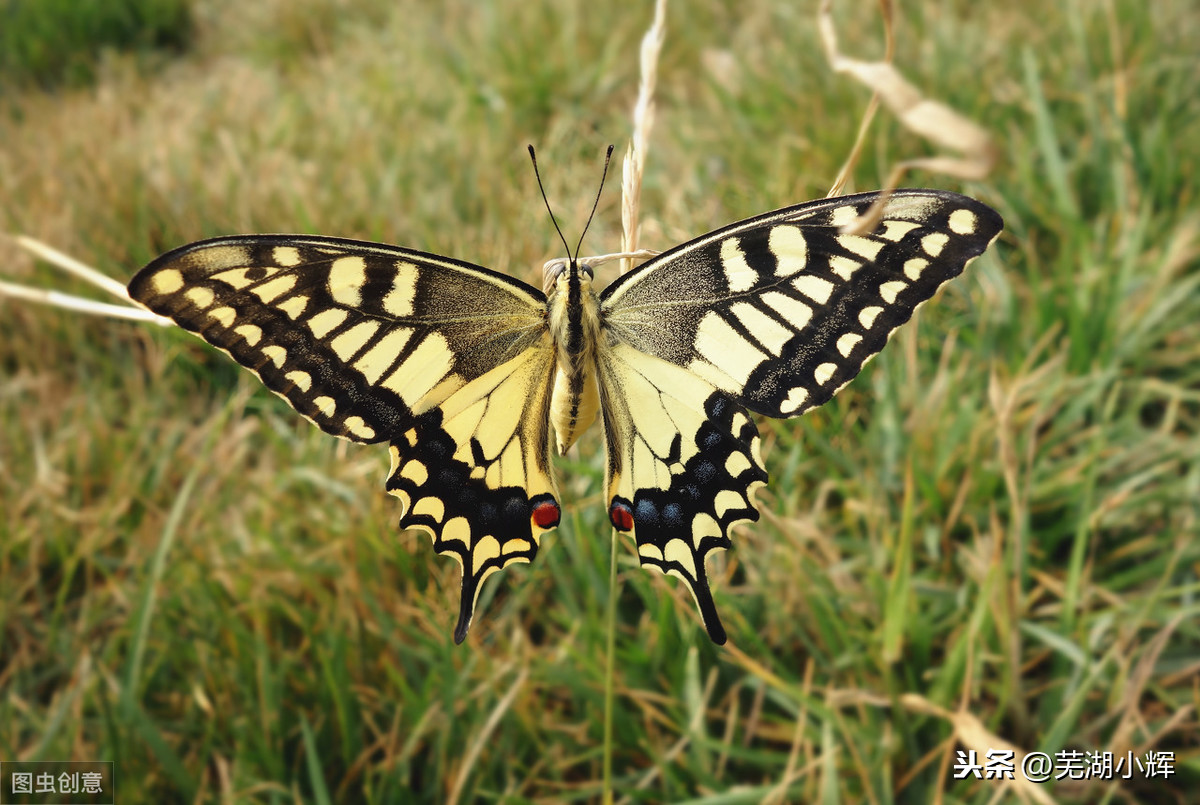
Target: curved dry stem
pixel 931 119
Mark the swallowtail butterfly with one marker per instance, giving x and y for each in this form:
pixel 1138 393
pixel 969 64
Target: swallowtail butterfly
pixel 466 372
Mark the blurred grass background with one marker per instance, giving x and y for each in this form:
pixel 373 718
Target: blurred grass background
pixel 57 43
pixel 998 518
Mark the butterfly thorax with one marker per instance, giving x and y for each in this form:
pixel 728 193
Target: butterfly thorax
pixel 574 311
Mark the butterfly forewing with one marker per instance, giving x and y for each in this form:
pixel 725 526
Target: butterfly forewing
pixel 356 336
pixel 449 362
pixel 782 310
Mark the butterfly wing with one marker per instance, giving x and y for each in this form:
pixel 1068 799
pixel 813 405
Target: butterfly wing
pixel 448 361
pixel 775 313
pixel 782 310
pixel 683 465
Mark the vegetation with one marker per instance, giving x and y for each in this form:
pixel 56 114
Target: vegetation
pixel 991 533
pixel 52 42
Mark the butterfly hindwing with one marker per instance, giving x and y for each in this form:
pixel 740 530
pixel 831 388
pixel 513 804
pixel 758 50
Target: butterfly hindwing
pixel 782 310
pixel 475 474
pixel 449 362
pixel 683 466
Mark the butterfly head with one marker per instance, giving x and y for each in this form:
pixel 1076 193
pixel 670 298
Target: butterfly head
pixel 557 273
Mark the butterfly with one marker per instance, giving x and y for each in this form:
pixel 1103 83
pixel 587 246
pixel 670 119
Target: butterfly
pixel 473 377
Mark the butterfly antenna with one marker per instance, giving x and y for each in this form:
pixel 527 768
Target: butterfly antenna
pixel 596 203
pixel 553 220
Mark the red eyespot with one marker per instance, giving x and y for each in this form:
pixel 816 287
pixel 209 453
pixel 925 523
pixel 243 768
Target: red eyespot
pixel 621 514
pixel 545 512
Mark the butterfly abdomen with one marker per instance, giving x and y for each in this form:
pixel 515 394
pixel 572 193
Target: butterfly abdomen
pixel 575 328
